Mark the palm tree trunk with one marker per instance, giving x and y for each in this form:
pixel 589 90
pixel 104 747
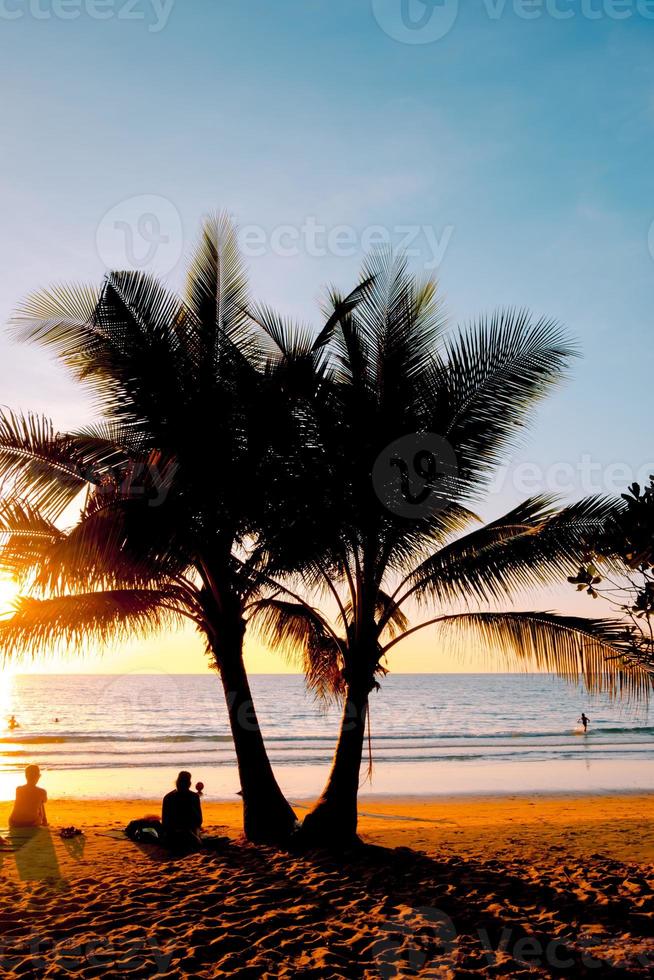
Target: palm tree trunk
pixel 333 820
pixel 267 815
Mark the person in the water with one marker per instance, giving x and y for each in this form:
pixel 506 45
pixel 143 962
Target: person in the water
pixel 584 721
pixel 13 724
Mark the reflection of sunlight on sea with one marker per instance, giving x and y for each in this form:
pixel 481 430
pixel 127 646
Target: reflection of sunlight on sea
pixel 7 779
pixel 8 783
pixel 6 697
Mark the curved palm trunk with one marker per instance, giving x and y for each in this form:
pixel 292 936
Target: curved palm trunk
pixel 333 820
pixel 267 815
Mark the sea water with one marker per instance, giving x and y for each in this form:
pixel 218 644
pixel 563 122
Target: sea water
pixel 127 735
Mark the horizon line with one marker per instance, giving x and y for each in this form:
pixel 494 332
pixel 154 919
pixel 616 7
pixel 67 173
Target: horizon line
pixel 210 673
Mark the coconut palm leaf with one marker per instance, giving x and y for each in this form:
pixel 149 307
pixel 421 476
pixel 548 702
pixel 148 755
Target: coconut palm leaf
pixel 96 553
pixel 216 285
pixel 25 536
pixel 532 546
pixel 595 651
pixel 399 319
pixel 49 468
pixel 336 307
pixel 305 638
pixel 80 622
pixel 390 616
pixel 57 316
pixel 482 388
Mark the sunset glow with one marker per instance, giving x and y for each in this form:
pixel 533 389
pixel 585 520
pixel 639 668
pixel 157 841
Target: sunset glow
pixel 9 592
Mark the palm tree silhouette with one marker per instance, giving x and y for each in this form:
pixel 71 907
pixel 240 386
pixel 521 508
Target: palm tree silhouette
pixel 179 478
pixel 401 387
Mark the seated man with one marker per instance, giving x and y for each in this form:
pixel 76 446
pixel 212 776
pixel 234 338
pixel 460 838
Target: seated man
pixel 29 808
pixel 181 815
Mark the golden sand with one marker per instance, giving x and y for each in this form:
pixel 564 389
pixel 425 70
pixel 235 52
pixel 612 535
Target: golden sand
pixel 509 887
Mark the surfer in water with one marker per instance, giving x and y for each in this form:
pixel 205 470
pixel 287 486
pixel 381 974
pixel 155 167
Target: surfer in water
pixel 13 724
pixel 584 721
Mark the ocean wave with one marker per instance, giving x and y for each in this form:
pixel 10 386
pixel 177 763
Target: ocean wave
pixel 379 759
pixel 429 738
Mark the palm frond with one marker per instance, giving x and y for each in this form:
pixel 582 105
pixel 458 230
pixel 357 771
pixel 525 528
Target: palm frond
pixel 288 338
pixel 337 307
pixel 216 286
pixel 78 623
pixel 390 333
pixel 595 651
pixel 48 468
pixel 302 636
pixel 100 552
pixel 481 390
pixel 59 316
pixel 25 537
pixel 387 611
pixel 534 545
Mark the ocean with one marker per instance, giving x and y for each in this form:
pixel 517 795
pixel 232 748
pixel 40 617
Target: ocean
pixel 127 735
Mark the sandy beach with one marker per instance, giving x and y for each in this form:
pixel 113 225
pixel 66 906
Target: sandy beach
pixel 512 886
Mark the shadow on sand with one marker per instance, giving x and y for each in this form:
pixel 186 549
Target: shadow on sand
pixel 393 913
pixel 34 852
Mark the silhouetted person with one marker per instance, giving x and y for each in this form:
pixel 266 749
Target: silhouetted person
pixel 29 808
pixel 584 721
pixel 181 815
pixel 13 723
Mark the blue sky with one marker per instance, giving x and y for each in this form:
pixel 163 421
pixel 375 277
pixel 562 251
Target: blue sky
pixel 525 145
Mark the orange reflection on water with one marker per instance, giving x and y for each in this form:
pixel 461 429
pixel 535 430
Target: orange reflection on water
pixel 6 699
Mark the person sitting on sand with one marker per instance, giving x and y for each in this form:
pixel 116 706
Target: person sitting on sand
pixel 181 814
pixel 584 721
pixel 29 808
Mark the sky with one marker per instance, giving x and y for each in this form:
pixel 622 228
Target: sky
pixel 507 146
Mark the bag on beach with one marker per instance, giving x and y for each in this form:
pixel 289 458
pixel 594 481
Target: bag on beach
pixel 145 831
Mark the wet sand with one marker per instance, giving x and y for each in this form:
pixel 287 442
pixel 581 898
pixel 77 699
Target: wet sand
pixel 507 886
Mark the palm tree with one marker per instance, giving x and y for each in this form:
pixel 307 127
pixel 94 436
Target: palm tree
pixel 176 482
pixel 397 374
